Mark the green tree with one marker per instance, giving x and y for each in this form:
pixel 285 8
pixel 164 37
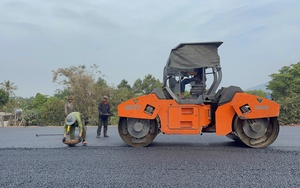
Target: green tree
pixel 124 84
pixel 138 87
pixel 102 88
pixel 39 101
pixel 9 87
pixel 26 103
pixel 286 82
pixel 289 110
pixel 118 96
pixel 257 92
pixel 31 117
pixel 285 87
pixel 146 86
pixel 32 114
pixel 4 97
pixel 122 93
pixel 61 94
pixel 52 112
pixel 11 105
pixel 42 110
pixel 81 84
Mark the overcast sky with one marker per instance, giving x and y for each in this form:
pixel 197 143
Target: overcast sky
pixel 129 39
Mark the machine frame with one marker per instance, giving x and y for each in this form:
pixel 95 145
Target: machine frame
pixel 243 117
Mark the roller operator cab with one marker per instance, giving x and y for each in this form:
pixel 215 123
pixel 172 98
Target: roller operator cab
pixel 228 111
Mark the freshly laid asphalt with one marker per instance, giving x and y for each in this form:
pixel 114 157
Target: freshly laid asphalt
pixel 170 161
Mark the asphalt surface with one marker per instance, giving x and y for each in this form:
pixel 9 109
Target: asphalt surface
pixel 170 161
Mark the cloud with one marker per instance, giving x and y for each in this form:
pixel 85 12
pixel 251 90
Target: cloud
pixel 130 39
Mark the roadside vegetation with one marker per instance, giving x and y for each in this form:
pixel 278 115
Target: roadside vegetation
pixel 87 86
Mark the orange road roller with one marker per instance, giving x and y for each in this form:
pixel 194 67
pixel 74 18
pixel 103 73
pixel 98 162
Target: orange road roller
pixel 227 111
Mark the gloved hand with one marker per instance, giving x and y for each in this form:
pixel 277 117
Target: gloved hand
pixel 64 140
pixel 79 139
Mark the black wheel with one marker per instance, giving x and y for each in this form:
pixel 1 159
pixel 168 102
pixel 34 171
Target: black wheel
pixel 137 132
pixel 256 133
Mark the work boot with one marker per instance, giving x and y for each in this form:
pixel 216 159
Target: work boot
pixel 106 135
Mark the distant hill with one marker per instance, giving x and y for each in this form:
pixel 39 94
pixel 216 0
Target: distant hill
pixel 260 87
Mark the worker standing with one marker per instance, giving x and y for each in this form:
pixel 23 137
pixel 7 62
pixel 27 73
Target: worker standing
pixel 104 113
pixel 73 120
pixel 69 106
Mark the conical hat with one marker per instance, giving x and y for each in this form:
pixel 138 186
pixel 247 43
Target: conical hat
pixel 70 120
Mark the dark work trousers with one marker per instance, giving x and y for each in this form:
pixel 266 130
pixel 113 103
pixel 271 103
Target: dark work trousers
pixel 72 132
pixel 103 121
